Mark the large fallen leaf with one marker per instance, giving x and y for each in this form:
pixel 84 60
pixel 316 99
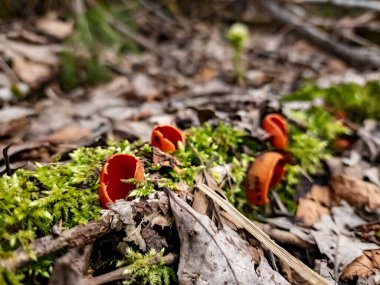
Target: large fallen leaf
pixel 356 192
pixel 212 256
pixel 297 265
pixel 335 241
pixel 363 266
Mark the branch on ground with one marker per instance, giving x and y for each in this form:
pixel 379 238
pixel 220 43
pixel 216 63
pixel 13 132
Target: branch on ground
pixel 352 55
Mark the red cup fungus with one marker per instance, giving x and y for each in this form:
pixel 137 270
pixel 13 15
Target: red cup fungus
pixel 275 126
pixel 166 138
pixel 264 173
pixel 116 168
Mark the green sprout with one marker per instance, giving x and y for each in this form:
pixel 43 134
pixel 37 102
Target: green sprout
pixel 238 35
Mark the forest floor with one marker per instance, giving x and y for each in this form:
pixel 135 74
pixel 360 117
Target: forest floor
pixel 55 127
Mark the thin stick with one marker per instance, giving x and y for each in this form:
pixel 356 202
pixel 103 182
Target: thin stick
pixel 355 56
pixel 367 4
pixel 77 236
pixel 297 265
pixel 119 274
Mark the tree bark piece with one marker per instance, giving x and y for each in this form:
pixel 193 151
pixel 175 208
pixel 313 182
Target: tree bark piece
pixel 283 237
pixel 77 236
pixel 70 268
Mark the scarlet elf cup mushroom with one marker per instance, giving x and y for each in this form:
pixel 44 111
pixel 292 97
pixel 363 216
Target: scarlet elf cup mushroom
pixel 264 173
pixel 117 168
pixel 166 138
pixel 275 126
pixel 269 168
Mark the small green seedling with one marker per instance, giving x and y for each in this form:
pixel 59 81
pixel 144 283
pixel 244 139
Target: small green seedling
pixel 238 36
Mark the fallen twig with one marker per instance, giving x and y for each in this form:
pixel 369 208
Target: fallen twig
pixel 77 236
pixel 355 56
pixel 119 274
pixel 139 39
pixel 366 4
pixel 70 268
pixel 281 236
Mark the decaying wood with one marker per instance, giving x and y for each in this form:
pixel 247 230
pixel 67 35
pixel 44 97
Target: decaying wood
pixel 354 56
pixel 77 236
pixel 119 274
pixel 297 265
pixel 70 268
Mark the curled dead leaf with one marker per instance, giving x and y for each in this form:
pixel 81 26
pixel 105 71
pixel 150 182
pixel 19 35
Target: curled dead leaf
pixel 363 266
pixel 356 192
pixel 309 211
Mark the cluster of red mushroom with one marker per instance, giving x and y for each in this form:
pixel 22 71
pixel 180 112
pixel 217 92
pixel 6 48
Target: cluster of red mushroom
pixel 126 166
pixel 266 171
pixel 269 168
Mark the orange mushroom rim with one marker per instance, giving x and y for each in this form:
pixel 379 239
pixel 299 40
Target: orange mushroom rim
pixel 264 173
pixel 116 168
pixel 167 137
pixel 275 125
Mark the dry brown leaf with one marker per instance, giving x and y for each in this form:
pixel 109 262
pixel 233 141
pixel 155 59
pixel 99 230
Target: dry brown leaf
pixel 309 211
pixel 70 134
pixel 41 53
pixel 205 74
pixel 321 194
pixel 200 202
pixel 209 255
pixel 14 120
pixel 33 38
pixel 356 192
pixel 363 266
pixel 145 87
pixel 31 72
pixel 51 26
pixel 334 239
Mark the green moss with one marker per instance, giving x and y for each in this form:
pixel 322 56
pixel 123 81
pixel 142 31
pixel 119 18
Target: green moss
pixel 221 145
pixel 141 271
pixel 356 101
pixel 31 202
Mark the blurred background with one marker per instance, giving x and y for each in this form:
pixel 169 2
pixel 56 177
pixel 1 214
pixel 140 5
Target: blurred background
pixel 77 72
